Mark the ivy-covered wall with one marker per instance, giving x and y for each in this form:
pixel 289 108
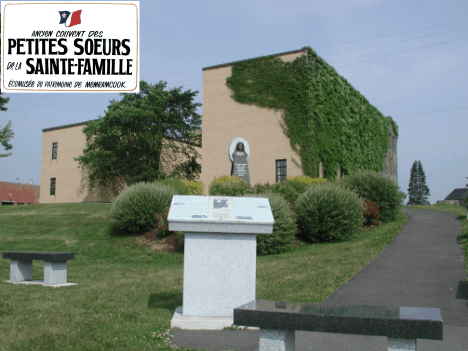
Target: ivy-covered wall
pixel 324 116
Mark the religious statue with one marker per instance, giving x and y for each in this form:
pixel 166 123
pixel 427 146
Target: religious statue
pixel 239 163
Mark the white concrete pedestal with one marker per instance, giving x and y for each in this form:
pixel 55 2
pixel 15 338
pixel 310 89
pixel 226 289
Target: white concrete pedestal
pixel 219 273
pixel 220 254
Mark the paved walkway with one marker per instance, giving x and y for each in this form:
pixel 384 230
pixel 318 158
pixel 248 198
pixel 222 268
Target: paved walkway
pixel 423 267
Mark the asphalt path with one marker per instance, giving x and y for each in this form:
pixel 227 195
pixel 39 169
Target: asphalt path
pixel 422 267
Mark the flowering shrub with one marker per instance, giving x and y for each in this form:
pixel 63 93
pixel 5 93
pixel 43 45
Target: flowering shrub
pixel 260 188
pixel 195 188
pixel 308 180
pixel 370 212
pixel 225 179
pixel 229 186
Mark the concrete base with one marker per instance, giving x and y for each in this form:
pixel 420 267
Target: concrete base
pixel 277 340
pixel 55 273
pixel 201 323
pixel 395 344
pixel 20 270
pixel 40 282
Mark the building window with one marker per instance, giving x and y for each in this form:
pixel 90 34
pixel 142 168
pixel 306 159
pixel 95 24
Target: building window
pixel 54 151
pixel 280 171
pixel 52 186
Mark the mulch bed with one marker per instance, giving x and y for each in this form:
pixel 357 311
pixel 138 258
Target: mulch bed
pixel 168 244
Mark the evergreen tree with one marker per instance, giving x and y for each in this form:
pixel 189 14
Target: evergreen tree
pixel 418 191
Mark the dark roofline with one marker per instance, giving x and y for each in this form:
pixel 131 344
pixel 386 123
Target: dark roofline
pixel 253 58
pixel 457 194
pixel 83 123
pixel 65 126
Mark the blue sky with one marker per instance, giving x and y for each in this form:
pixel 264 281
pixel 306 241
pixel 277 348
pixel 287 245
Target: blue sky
pixel 408 58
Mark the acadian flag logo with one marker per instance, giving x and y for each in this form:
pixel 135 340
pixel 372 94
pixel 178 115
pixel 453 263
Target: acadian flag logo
pixel 70 19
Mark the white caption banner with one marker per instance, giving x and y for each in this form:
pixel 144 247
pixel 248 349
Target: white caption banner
pixel 70 47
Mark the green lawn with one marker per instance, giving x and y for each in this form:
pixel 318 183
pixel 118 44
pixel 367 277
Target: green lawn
pixel 126 293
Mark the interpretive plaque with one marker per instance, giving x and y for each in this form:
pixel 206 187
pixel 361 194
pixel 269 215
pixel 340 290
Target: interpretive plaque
pixel 216 209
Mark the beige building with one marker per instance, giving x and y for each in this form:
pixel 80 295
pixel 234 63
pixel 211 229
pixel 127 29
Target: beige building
pixel 62 180
pixel 271 158
pixel 225 119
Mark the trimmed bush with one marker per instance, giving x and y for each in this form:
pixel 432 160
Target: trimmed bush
pixel 291 188
pixel 229 186
pixel 328 213
pixel 284 230
pixel 138 208
pixel 378 189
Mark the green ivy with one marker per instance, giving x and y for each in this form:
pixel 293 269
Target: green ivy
pixel 394 125
pixel 324 116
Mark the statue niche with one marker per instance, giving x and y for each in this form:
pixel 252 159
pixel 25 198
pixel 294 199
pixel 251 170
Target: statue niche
pixel 239 163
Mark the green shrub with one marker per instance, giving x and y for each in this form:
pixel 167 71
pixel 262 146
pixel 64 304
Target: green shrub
pixel 195 188
pixel 284 230
pixel 177 184
pixel 291 188
pixel 380 190
pixel 138 208
pixel 229 186
pixel 328 213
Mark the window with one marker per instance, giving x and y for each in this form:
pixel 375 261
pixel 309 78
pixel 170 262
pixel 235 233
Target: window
pixel 52 186
pixel 54 151
pixel 280 171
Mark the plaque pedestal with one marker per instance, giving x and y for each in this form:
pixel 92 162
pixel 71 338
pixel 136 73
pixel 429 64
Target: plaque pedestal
pixel 220 253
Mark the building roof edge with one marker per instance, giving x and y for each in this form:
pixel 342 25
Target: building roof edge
pixel 65 126
pixel 83 123
pixel 253 58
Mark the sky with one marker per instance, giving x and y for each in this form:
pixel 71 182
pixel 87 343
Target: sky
pixel 408 58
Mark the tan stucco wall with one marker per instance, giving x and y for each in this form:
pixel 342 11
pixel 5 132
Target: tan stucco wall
pixel 70 181
pixel 225 119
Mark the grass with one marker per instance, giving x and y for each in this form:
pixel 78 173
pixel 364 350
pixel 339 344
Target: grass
pixel 126 293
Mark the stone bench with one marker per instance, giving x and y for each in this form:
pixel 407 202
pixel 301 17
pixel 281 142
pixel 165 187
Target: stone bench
pixel 55 267
pixel 278 322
